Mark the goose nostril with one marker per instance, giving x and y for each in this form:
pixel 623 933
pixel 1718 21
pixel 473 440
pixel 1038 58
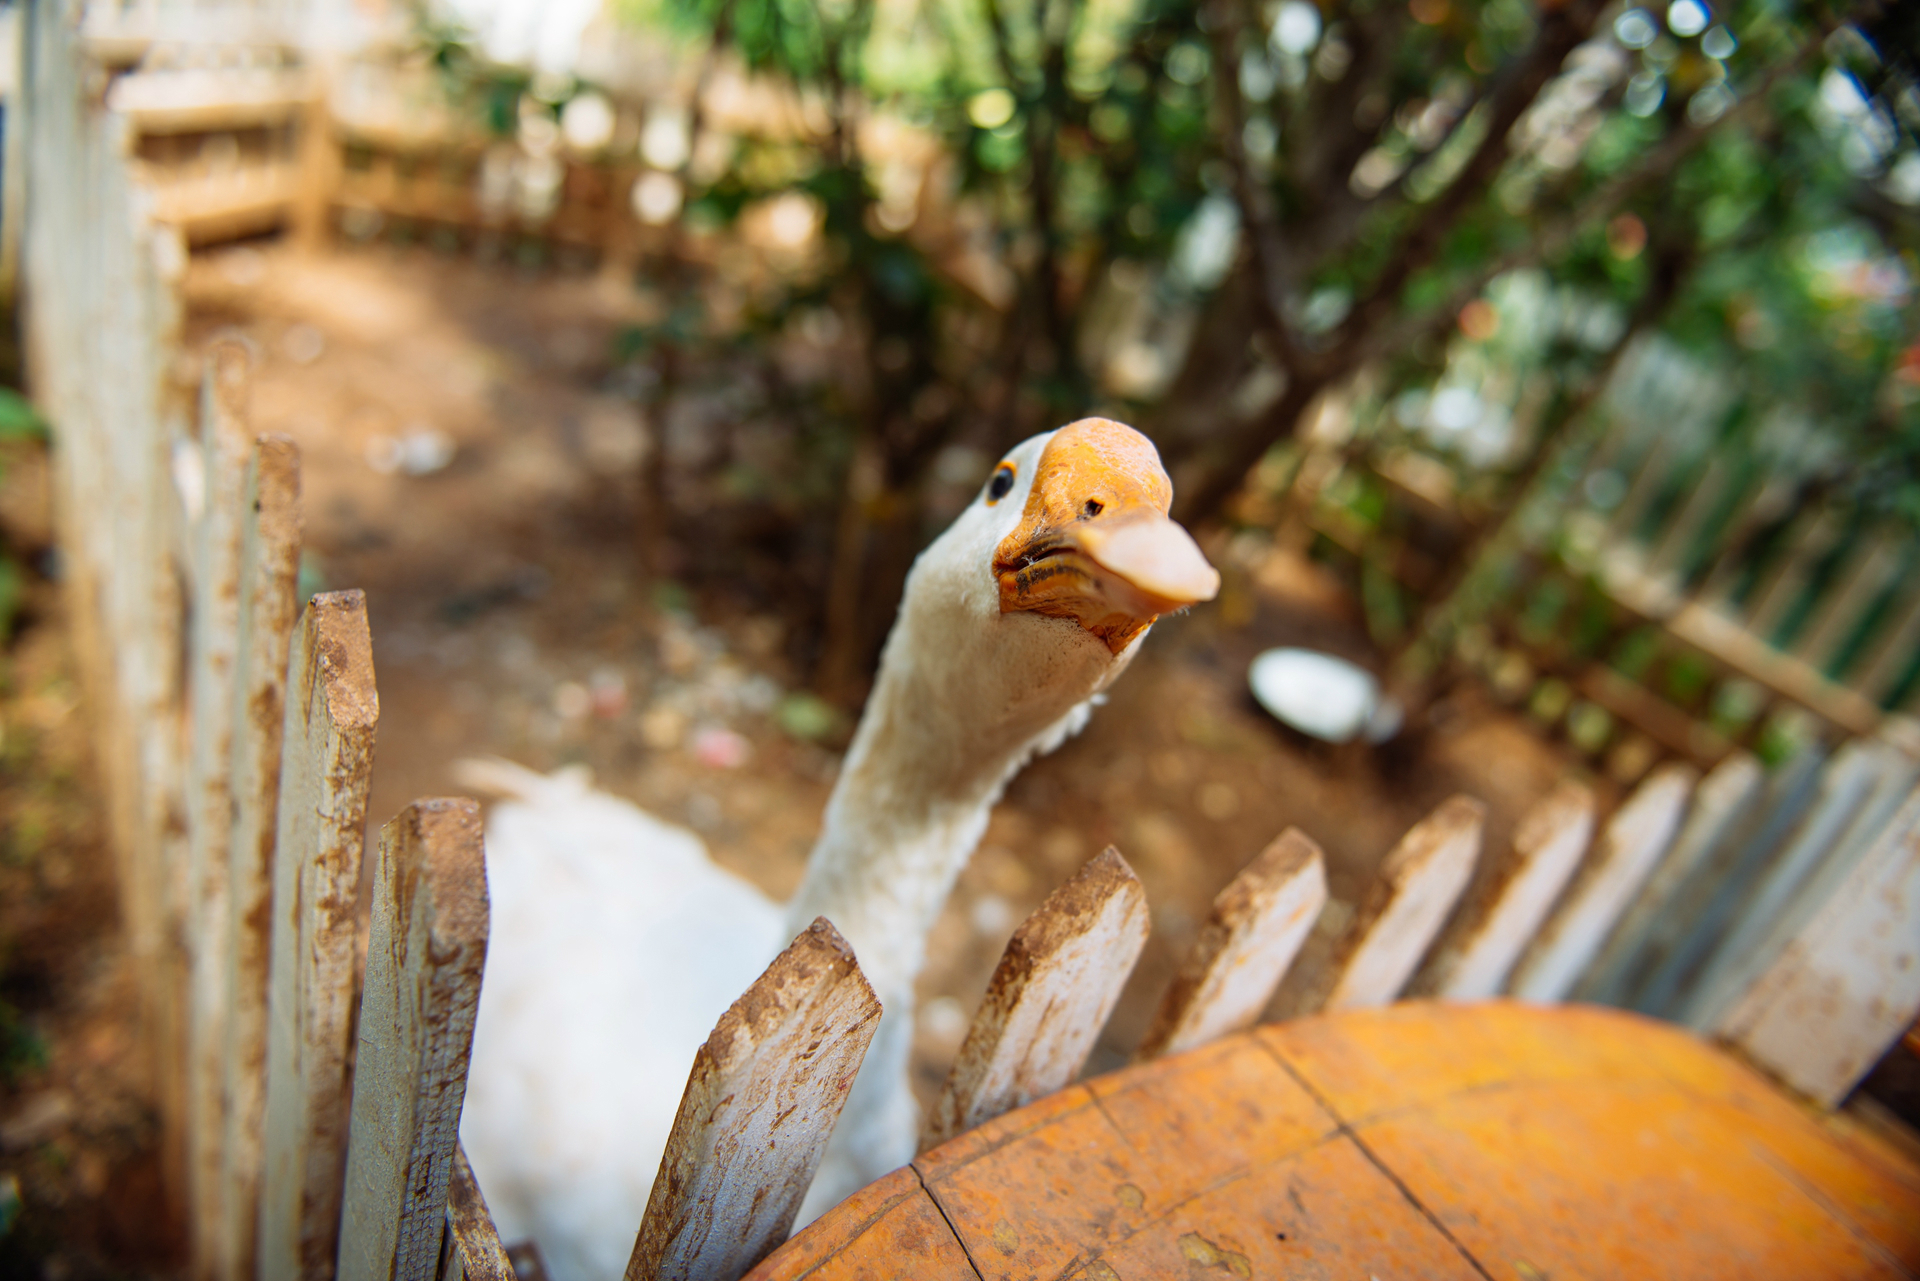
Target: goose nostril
pixel 1093 508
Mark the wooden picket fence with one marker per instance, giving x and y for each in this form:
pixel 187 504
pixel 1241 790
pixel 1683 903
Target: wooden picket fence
pixel 1668 596
pixel 324 1106
pixel 312 1110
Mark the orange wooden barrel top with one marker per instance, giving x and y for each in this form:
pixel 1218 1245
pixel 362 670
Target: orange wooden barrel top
pixel 1420 1141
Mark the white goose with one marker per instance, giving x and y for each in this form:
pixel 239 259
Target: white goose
pixel 617 943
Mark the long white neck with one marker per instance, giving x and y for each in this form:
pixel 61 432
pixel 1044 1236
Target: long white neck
pixel 964 698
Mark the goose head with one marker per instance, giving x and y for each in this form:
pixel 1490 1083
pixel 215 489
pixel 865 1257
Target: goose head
pixel 1039 593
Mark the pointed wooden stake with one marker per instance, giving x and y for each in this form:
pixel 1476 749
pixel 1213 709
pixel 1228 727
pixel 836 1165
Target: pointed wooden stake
pixel 1546 848
pixel 471 1250
pixel 425 954
pixel 1056 984
pixel 1635 838
pixel 326 767
pixel 761 1103
pixel 1848 984
pixel 1657 920
pixel 1407 905
pixel 1257 926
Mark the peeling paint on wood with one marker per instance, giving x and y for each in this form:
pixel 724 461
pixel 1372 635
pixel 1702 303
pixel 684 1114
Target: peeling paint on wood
pixel 1049 997
pixel 1243 951
pixel 215 565
pixel 760 1105
pixel 1656 922
pixel 1409 901
pixel 1848 984
pixel 1632 842
pixel 1546 848
pixel 269 605
pixel 471 1249
pixel 426 951
pixel 326 766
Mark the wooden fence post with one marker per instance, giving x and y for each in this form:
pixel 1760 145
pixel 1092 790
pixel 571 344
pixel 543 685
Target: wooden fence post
pixel 1703 907
pixel 1250 939
pixel 1635 837
pixel 1409 901
pixel 1863 786
pixel 1049 997
pixel 760 1105
pixel 1547 846
pixel 425 954
pixel 215 549
pixel 471 1250
pixel 326 764
pixel 1848 984
pixel 1655 923
pixel 269 604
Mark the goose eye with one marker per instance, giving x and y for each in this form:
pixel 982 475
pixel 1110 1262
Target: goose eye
pixel 1002 483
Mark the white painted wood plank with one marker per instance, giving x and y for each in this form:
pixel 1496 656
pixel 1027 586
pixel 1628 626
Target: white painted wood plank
pixel 1407 904
pixel 426 951
pixel 471 1249
pixel 1862 787
pixel 1857 585
pixel 269 609
pixel 1655 922
pixel 1547 846
pixel 326 765
pixel 1245 948
pixel 1633 841
pixel 1889 653
pixel 1848 984
pixel 1704 910
pixel 224 446
pixel 1052 992
pixel 760 1105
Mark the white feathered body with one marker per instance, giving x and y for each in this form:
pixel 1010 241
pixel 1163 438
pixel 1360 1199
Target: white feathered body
pixel 615 945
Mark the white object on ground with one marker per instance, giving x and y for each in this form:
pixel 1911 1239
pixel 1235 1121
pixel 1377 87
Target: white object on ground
pixel 1322 696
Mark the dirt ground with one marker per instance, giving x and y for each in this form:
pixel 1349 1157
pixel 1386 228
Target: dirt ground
pixel 468 464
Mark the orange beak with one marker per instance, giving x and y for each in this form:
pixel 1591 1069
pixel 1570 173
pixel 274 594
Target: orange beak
pixel 1094 542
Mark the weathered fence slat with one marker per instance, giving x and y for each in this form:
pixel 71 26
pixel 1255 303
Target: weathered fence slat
pixel 1407 904
pixel 1634 839
pixel 760 1105
pixel 1863 785
pixel 471 1249
pixel 1250 939
pixel 1547 846
pixel 1655 923
pixel 215 578
pixel 426 951
pixel 1813 535
pixel 1840 609
pixel 269 605
pixel 1703 907
pixel 1848 984
pixel 1049 997
pixel 326 764
pixel 1886 660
